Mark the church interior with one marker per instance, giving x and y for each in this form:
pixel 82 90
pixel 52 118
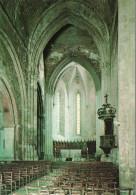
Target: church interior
pixel 67 97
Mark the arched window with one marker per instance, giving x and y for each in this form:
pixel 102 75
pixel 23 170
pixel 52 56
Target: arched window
pixel 78 115
pixel 58 111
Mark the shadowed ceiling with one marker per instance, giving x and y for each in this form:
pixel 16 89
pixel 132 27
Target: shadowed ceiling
pixel 25 14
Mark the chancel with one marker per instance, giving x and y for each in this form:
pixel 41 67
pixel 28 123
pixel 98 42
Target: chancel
pixel 67 82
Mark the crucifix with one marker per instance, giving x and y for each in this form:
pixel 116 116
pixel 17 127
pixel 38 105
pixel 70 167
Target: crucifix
pixel 106 98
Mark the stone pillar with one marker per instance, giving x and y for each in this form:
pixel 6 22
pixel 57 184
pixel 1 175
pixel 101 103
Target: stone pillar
pixel 18 142
pixel 48 129
pixel 126 81
pixel 99 125
pixel 31 140
pixel 34 115
pixel 8 148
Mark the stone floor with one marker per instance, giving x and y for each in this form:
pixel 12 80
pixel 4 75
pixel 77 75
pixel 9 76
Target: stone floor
pixel 22 190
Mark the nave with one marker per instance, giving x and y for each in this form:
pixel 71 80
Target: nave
pixel 81 178
pixel 67 90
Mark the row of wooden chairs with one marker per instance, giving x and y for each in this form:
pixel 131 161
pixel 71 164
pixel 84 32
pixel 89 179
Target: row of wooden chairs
pixel 73 180
pixel 75 190
pixel 80 179
pixel 13 176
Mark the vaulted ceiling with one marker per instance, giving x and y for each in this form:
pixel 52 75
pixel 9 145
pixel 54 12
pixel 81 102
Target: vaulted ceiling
pixel 25 14
pixel 59 29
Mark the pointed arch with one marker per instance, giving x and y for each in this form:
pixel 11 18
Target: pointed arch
pixel 73 58
pixel 11 50
pixel 8 102
pixel 67 14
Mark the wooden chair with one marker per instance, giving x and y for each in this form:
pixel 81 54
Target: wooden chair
pixel 103 191
pixel 98 190
pixel 123 189
pixel 109 184
pixel 36 172
pixel 90 187
pixel 44 183
pixel 8 179
pixel 30 173
pixel 109 191
pixel 76 183
pixel 76 190
pixel 3 186
pixel 33 190
pixel 55 190
pixel 17 177
pixel 23 173
pixel 51 178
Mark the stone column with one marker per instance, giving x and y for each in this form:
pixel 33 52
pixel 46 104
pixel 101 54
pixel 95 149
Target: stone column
pixel 31 140
pixel 9 145
pixel 126 81
pixel 99 124
pixel 26 136
pixel 48 129
pixel 34 143
pixel 18 140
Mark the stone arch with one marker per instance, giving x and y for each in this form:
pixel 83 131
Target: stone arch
pixel 71 79
pixel 11 128
pixel 11 50
pixel 39 39
pixel 72 57
pixel 20 124
pixel 83 62
pixel 8 103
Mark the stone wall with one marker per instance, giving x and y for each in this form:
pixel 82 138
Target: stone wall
pixel 126 82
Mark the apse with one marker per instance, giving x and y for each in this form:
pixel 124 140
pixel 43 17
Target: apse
pixel 74 105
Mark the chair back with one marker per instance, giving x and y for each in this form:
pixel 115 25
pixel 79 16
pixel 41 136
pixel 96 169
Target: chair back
pixel 33 190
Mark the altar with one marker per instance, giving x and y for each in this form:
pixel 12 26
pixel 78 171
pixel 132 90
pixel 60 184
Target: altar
pixel 75 154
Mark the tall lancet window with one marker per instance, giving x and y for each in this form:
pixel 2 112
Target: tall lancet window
pixel 58 112
pixel 78 113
